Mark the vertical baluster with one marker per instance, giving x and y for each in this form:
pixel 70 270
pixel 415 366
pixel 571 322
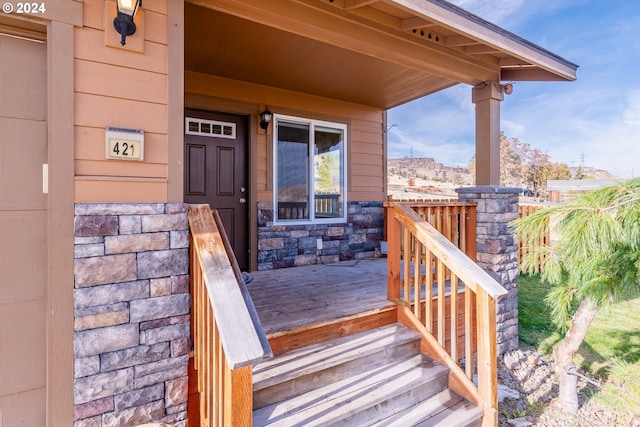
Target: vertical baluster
pixel 455 226
pixel 447 223
pixel 428 321
pixel 417 248
pixel 394 256
pixel 468 332
pixel 219 377
pixel 441 271
pixel 406 246
pixel 454 316
pixel 203 360
pixel 207 367
pixel 463 229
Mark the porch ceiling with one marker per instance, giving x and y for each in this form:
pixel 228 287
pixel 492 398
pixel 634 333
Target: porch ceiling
pixel 381 53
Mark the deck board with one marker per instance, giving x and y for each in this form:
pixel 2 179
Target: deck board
pixel 289 298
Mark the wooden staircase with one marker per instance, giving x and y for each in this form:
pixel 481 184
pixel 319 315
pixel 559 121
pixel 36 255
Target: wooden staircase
pixel 374 378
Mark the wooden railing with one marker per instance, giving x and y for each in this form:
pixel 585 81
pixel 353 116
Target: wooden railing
pixel 523 250
pixel 464 339
pixel 227 334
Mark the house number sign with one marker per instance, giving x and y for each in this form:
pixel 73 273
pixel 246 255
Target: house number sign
pixel 124 144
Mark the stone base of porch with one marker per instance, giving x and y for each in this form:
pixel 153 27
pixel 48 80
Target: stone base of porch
pixel 282 246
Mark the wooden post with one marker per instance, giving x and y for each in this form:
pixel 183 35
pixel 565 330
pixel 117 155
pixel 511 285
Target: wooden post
pixel 239 402
pixel 487 355
pixel 487 98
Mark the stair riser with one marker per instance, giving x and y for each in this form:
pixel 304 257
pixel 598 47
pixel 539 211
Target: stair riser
pixel 285 390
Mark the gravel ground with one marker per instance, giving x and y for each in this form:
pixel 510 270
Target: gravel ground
pixel 533 377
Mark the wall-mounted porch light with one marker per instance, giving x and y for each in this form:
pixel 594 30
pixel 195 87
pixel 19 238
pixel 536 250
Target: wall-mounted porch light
pixel 507 88
pixel 123 22
pixel 265 118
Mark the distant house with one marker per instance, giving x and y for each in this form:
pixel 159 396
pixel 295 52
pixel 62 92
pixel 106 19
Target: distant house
pixel 566 190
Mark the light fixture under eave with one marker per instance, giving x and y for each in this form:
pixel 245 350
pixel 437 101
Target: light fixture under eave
pixel 265 118
pixel 123 22
pixel 507 88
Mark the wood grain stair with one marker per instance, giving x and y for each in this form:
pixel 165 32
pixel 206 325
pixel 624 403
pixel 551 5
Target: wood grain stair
pixel 377 377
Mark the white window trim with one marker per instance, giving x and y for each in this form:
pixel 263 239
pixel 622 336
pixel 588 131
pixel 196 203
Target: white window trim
pixel 312 123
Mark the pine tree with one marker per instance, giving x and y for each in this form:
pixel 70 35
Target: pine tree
pixel 596 261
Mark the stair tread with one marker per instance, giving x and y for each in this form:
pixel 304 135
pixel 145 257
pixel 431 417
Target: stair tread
pixel 462 414
pixel 304 361
pixel 351 395
pixel 435 411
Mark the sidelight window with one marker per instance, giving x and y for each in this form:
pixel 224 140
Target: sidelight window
pixel 310 170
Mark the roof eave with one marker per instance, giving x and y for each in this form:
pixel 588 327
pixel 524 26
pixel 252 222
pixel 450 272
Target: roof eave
pixel 470 25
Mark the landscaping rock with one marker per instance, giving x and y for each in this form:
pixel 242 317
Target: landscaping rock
pixel 537 384
pixel 519 422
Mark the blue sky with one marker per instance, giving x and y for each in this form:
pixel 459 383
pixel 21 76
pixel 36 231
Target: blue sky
pixel 597 117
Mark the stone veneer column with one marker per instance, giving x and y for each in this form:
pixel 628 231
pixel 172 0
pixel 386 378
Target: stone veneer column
pixel 497 251
pixel 131 300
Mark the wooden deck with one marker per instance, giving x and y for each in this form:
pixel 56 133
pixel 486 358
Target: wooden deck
pixel 291 298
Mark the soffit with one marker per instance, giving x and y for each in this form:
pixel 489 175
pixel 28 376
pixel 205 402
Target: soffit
pixel 378 53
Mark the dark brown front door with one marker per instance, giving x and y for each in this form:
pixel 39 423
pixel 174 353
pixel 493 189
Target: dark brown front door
pixel 216 172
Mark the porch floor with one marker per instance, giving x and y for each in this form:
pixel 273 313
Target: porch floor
pixel 290 298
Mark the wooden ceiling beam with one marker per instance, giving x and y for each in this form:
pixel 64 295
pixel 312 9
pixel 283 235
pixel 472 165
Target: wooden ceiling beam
pixel 415 23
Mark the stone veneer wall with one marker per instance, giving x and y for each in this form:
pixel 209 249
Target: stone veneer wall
pixel 281 246
pixel 132 303
pixel 497 252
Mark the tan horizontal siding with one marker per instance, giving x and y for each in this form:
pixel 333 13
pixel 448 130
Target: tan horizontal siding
pixel 366 147
pixel 90 46
pixel 123 88
pixel 112 81
pixel 100 111
pixel 370 160
pixel 110 190
pixel 120 169
pixel 366 183
pixel 364 196
pixel 87 148
pixel 155 25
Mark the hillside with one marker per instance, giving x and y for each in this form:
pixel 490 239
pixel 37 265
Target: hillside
pixel 432 179
pixel 593 173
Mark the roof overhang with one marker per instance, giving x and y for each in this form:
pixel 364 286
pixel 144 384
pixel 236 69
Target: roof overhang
pixel 381 53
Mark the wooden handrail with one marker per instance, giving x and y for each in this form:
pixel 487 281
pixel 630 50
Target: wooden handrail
pixel 227 334
pixel 423 296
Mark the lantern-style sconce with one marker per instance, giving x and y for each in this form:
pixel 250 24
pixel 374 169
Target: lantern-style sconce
pixel 265 118
pixel 123 22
